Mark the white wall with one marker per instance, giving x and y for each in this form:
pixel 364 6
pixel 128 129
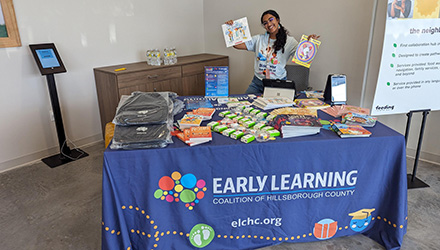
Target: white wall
pixel 344 26
pixel 87 34
pixel 333 20
pixel 97 33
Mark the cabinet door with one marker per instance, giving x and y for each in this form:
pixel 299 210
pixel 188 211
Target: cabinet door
pixel 148 87
pixel 193 85
pixel 173 85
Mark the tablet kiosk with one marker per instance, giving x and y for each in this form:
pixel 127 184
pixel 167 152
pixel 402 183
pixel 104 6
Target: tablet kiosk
pixel 49 62
pixel 336 89
pixel 47 58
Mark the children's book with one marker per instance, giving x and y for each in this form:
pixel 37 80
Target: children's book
pixel 348 131
pixel 296 125
pixel 195 103
pixel 295 111
pixel 236 33
pixel 354 109
pixel 312 103
pixel 205 112
pixel 195 135
pixel 359 119
pixel 314 94
pixel 306 51
pixel 339 110
pixel 272 102
pixel 188 121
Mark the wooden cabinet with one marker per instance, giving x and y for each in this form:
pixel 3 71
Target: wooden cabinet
pixel 186 77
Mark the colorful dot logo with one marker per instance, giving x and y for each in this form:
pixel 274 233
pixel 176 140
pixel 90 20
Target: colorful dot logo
pixel 186 189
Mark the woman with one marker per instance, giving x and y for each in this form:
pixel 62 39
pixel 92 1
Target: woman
pixel 398 8
pixel 272 51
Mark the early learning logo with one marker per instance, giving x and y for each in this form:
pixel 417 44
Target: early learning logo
pixel 186 189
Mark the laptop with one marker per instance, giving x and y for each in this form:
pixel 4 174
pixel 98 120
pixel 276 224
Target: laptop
pixel 279 88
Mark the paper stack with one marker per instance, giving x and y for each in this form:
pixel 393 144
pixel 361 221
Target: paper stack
pixel 195 135
pixel 311 103
pixel 348 131
pixel 339 110
pixel 189 121
pixel 296 125
pixel 205 112
pixel 266 103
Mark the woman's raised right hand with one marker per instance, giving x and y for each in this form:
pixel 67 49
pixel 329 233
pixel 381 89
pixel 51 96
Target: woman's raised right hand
pixel 230 22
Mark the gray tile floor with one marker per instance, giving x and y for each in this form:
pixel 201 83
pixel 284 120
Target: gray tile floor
pixel 60 208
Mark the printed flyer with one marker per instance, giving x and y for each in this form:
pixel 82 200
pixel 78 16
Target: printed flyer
pixel 306 51
pixel 236 33
pixel 408 75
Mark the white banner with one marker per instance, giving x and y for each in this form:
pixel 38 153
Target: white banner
pixel 409 76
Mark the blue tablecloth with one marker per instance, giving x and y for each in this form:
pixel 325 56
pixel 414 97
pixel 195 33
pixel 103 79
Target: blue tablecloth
pixel 229 195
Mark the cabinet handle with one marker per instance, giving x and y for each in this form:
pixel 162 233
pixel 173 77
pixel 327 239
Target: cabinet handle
pixel 153 76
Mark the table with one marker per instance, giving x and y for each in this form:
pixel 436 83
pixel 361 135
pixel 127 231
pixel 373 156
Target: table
pixel 229 195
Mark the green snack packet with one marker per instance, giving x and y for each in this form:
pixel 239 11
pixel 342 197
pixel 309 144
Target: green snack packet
pixel 270 117
pixel 262 114
pixel 228 131
pixel 231 116
pixel 274 133
pixel 224 113
pixel 249 124
pixel 247 138
pixel 212 125
pixel 238 118
pixel 248 110
pixel 220 128
pixel 259 125
pixel 267 128
pixel 236 135
pixel 242 121
pixel 255 112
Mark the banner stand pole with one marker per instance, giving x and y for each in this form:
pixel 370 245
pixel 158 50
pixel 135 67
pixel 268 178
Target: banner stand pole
pixel 413 181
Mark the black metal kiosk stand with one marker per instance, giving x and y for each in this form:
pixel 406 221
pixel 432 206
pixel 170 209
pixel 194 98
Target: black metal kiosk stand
pixel 413 181
pixel 49 63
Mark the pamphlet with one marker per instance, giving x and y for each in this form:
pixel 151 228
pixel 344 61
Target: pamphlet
pixel 311 103
pixel 306 51
pixel 348 131
pixel 217 81
pixel 236 33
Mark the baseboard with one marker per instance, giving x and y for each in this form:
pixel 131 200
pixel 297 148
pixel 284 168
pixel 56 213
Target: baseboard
pixel 424 156
pixel 35 157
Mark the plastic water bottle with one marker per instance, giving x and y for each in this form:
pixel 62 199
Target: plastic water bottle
pixel 173 55
pixel 166 56
pixel 157 57
pixel 149 56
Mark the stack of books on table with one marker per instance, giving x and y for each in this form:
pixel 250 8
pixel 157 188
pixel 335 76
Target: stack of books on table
pixel 359 119
pixel 311 103
pixel 314 94
pixel 207 113
pixel 195 135
pixel 189 121
pixel 339 110
pixel 296 125
pixel 266 103
pixel 348 131
pixel 196 102
pixel 294 111
pixel 233 104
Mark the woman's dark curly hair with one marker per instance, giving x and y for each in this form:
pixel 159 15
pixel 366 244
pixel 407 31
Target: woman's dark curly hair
pixel 281 36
